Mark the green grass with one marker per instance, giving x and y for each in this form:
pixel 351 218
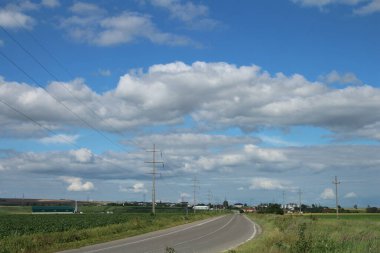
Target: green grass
pixel 50 233
pixel 321 233
pixel 348 216
pixel 15 210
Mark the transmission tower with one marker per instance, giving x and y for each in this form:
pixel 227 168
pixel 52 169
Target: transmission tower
pixel 300 203
pixel 154 173
pixel 336 196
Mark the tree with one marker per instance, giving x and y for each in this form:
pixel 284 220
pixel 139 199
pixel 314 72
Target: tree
pixel 225 204
pixel 356 206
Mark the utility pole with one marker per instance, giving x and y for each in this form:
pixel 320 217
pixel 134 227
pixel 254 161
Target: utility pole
pixel 336 195
pixel 153 162
pixel 209 198
pixel 299 195
pixel 195 182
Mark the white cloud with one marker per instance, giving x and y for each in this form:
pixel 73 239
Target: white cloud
pixel 76 184
pixel 321 3
pixel 361 7
pixel 214 95
pixel 190 143
pixel 263 183
pixel 345 78
pixel 372 7
pixel 350 195
pixel 240 189
pixel 1 43
pixel 13 19
pixel 86 8
pixel 82 155
pixel 50 3
pixel 277 141
pixel 60 139
pixel 94 25
pixel 193 15
pixel 135 188
pixel 327 193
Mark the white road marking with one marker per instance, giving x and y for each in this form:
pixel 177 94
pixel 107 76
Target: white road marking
pixel 154 237
pixel 250 238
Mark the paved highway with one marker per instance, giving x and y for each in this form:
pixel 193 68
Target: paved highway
pixel 211 235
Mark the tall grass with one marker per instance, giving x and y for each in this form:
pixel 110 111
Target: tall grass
pixel 310 234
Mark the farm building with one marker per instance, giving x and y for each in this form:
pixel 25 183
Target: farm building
pixel 53 209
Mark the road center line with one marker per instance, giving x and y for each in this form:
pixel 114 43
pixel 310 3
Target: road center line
pixel 154 237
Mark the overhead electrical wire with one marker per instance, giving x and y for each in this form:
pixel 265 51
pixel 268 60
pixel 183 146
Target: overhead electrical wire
pixel 56 79
pixel 68 74
pixel 54 132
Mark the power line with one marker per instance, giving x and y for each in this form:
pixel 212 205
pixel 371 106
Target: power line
pixel 53 132
pixel 68 73
pixel 57 100
pixel 56 79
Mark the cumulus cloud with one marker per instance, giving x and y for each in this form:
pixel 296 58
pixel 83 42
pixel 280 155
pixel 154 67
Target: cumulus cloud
pixel 263 183
pixel 350 195
pixel 345 78
pixel 82 155
pixel 247 156
pixel 193 15
pixel 190 143
pixel 320 3
pixel 94 25
pixel 50 3
pixel 60 139
pixel 361 7
pixel 327 193
pixel 216 95
pixel 13 19
pixel 138 187
pixel 371 7
pixel 76 184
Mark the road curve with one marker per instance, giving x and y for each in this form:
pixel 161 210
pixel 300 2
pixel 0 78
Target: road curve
pixel 211 235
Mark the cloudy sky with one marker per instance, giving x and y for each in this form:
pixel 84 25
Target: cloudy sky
pixel 252 98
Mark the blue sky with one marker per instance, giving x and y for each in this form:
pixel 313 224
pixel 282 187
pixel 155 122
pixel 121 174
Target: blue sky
pixel 254 98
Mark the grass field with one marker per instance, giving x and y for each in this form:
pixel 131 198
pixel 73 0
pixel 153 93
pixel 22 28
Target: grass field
pixel 30 233
pixel 316 233
pixel 15 210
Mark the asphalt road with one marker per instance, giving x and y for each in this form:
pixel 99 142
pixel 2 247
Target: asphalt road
pixel 211 235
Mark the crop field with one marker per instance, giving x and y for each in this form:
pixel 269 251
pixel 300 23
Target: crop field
pixel 15 210
pixel 52 232
pixel 316 233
